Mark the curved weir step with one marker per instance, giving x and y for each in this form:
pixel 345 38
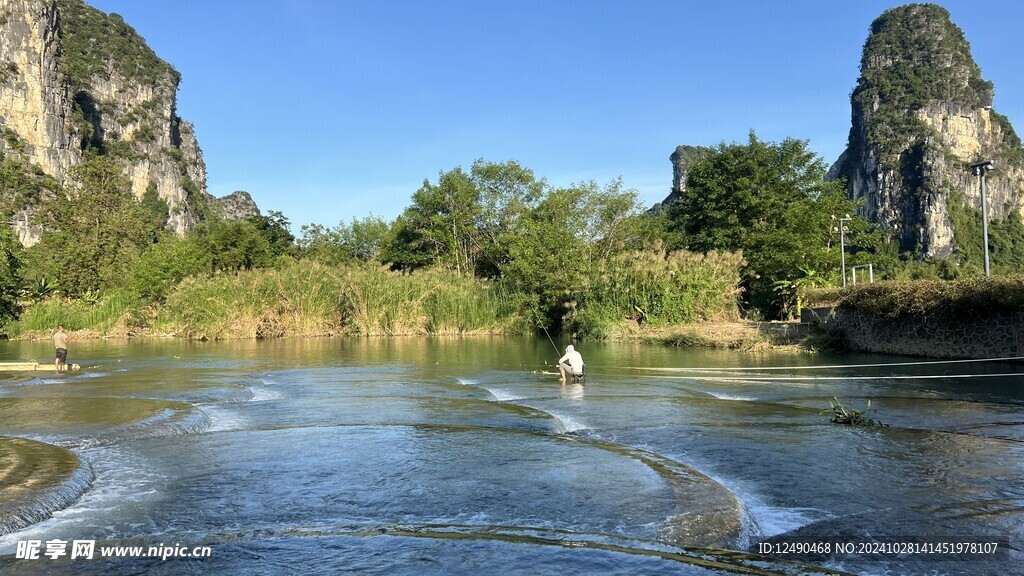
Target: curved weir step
pixel 37 479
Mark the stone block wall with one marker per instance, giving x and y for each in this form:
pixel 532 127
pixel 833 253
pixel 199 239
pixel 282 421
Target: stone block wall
pixel 994 336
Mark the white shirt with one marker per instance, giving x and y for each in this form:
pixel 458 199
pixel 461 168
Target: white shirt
pixel 575 360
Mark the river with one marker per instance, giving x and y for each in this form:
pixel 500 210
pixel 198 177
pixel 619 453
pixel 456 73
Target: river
pixel 460 456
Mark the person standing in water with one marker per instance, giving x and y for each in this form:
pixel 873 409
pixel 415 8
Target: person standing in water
pixel 60 342
pixel 571 363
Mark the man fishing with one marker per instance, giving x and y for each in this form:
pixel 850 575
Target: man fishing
pixel 60 342
pixel 571 363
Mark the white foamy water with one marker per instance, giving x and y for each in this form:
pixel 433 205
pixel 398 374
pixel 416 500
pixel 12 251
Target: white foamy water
pixel 774 520
pixel 769 520
pixel 504 395
pixel 721 396
pixel 124 481
pixel 223 418
pixel 92 374
pixel 261 394
pixel 466 381
pixel 763 519
pixel 567 424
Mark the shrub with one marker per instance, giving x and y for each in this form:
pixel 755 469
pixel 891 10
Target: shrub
pixel 963 298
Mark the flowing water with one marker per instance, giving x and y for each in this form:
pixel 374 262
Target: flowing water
pixel 455 456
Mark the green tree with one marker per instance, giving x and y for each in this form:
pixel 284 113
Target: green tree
pixel 772 201
pixel 164 264
pixel 508 191
pixel 9 274
pixel 564 241
pixel 405 247
pixel 363 239
pixel 320 243
pixel 93 231
pixel 550 255
pixel 443 218
pixel 276 228
pixel 231 245
pixel 156 210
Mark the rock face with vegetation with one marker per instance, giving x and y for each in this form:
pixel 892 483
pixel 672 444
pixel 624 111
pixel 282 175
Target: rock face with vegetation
pixel 682 160
pixel 73 78
pixel 922 113
pixel 238 205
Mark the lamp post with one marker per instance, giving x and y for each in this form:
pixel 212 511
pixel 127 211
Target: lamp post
pixel 842 244
pixel 980 169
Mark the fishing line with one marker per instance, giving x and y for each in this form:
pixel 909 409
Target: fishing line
pixel 755 368
pixel 823 378
pixel 545 328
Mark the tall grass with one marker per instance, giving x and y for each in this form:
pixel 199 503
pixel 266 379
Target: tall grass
pixel 469 307
pixel 293 300
pixel 118 310
pixel 307 298
pixel 658 288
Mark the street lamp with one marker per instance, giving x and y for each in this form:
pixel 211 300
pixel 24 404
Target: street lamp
pixel 842 244
pixel 980 169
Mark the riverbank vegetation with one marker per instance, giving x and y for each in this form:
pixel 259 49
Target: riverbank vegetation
pixel 491 249
pixel 963 298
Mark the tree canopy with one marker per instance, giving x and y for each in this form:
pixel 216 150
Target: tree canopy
pixel 772 201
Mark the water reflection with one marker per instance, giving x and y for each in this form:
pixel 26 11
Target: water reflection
pixel 572 391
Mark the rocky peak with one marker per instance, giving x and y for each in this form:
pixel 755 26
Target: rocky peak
pixel 921 113
pixel 238 205
pixel 73 78
pixel 682 159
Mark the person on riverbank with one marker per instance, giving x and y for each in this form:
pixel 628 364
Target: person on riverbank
pixel 60 342
pixel 571 363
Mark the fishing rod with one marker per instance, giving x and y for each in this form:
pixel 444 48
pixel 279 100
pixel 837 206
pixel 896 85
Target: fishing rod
pixel 557 351
pixel 545 328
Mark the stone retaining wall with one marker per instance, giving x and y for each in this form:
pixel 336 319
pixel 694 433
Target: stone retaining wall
pixel 994 336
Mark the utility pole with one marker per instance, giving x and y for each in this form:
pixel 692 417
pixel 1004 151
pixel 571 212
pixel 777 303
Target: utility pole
pixel 842 244
pixel 980 169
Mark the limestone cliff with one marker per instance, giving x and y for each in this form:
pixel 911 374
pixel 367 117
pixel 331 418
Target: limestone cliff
pixel 71 78
pixel 237 206
pixel 921 115
pixel 682 159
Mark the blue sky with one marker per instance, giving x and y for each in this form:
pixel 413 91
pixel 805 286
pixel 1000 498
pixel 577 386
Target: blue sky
pixel 326 110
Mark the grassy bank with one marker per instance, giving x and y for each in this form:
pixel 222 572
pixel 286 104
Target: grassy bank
pixel 119 313
pixel 630 294
pixel 964 298
pixel 300 299
pixel 728 335
pixel 310 299
pixel 655 289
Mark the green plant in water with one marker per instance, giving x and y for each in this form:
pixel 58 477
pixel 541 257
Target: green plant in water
pixel 839 414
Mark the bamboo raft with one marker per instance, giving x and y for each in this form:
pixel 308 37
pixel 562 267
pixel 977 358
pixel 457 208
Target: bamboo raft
pixel 31 366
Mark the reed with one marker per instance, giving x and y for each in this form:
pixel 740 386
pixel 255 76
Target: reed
pixel 658 288
pixel 309 299
pixel 116 311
